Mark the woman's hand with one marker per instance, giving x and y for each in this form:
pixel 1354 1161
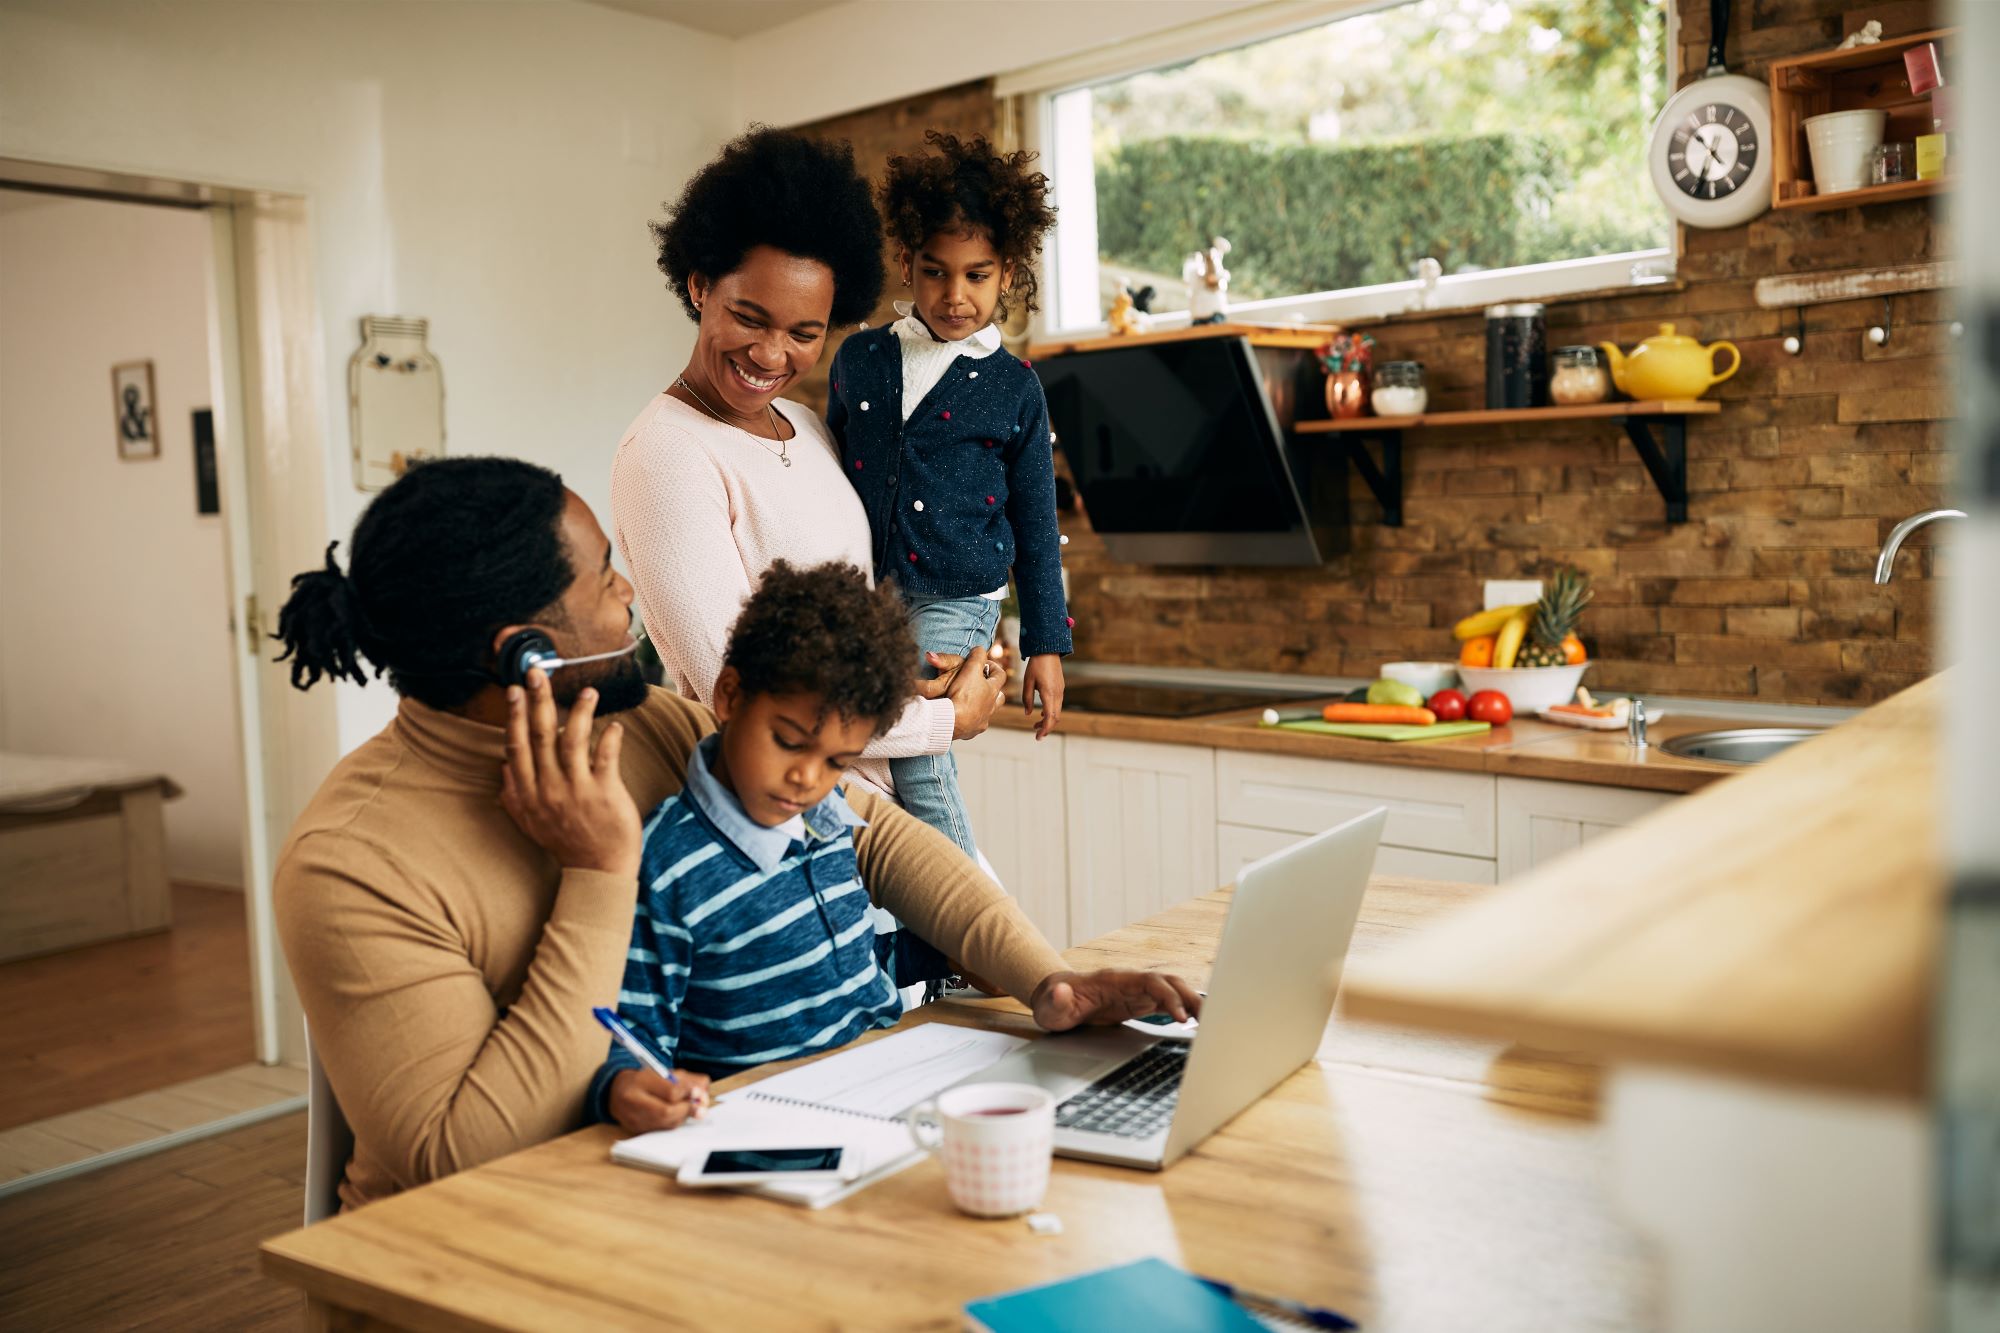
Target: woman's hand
pixel 973 683
pixel 641 1101
pixel 1044 676
pixel 570 800
pixel 1069 999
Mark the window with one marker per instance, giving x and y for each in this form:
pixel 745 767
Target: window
pixel 1503 138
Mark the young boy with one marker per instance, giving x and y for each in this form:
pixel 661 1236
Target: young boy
pixel 754 939
pixel 947 439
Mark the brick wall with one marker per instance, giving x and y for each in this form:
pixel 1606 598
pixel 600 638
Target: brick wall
pixel 1765 593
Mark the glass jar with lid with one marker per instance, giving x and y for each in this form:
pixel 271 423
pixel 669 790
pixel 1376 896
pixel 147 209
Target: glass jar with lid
pixel 1399 389
pixel 1579 377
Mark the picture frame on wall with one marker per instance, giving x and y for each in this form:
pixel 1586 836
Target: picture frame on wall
pixel 132 403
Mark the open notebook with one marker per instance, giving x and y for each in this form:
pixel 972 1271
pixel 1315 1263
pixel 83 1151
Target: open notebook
pixel 855 1099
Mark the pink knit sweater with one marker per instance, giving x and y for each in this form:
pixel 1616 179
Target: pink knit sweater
pixel 700 510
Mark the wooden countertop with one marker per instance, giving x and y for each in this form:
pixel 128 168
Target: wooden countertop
pixel 1411 1180
pixel 1784 927
pixel 1525 748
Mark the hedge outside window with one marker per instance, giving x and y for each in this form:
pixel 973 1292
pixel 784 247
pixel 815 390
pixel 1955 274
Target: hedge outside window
pixel 1486 134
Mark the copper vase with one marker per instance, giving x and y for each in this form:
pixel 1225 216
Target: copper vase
pixel 1346 394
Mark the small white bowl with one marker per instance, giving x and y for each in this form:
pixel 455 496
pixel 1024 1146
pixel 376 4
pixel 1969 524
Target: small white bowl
pixel 1840 142
pixel 1427 677
pixel 1529 689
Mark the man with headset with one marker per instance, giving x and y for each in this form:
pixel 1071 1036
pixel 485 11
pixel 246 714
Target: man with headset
pixel 459 892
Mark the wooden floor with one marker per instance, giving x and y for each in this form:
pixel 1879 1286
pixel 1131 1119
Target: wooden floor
pixel 167 1242
pixel 96 1024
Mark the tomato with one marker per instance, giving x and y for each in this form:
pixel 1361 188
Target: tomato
pixel 1491 706
pixel 1449 705
pixel 1478 652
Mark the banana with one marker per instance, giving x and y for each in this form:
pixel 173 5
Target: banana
pixel 1487 622
pixel 1509 645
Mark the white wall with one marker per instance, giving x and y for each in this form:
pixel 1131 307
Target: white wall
pixel 867 52
pixel 113 602
pixel 491 166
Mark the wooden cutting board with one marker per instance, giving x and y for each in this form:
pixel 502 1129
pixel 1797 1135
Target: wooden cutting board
pixel 1389 731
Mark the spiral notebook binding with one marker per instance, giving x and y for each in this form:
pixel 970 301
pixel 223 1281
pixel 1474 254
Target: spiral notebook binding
pixel 821 1106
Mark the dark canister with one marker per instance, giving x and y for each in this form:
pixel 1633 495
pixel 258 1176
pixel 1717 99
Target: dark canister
pixel 1517 356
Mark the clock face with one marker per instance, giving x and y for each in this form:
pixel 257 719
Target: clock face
pixel 1712 151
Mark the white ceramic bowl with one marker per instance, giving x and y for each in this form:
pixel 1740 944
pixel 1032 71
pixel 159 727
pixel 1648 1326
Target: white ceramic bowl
pixel 1840 142
pixel 1427 677
pixel 1529 689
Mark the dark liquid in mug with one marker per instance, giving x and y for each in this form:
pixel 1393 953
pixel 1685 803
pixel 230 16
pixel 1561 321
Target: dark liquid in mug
pixel 1001 1110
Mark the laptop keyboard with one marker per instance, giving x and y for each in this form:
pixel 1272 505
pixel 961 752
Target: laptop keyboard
pixel 1134 1100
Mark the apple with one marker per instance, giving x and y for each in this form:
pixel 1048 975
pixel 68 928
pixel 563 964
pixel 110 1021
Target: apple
pixel 1491 706
pixel 1449 705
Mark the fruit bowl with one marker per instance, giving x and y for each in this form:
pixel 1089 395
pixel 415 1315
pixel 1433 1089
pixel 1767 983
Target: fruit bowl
pixel 1529 689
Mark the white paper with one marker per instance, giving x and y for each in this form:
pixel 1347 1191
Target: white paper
pixel 888 1077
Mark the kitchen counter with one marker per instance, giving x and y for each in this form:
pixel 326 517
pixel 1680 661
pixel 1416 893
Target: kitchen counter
pixel 1525 748
pixel 1784 929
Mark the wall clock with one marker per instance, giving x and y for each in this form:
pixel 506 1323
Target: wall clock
pixel 1710 155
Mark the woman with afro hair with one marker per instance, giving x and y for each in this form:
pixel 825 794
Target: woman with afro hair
pixel 770 247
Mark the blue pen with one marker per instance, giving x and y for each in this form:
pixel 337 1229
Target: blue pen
pixel 636 1048
pixel 1311 1314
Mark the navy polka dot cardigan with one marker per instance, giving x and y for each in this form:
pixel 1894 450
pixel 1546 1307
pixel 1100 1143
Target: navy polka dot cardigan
pixel 962 492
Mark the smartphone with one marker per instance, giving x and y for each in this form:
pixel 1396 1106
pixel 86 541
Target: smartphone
pixel 755 1166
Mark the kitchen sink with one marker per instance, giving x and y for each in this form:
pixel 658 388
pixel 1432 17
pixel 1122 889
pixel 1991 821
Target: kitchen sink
pixel 1739 745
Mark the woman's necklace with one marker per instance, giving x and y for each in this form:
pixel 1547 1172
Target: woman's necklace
pixel 784 449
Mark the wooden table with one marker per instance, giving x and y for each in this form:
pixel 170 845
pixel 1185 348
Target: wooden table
pixel 1413 1181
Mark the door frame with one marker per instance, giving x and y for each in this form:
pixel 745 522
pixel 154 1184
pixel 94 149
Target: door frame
pixel 267 384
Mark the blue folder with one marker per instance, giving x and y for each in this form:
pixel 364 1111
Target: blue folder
pixel 1147 1295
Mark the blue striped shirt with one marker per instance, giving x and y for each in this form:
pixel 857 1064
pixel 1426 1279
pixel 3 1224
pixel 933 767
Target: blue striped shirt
pixel 748 944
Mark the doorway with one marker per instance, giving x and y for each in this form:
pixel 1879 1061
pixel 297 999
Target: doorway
pixel 161 464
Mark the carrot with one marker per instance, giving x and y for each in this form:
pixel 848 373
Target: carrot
pixel 1581 711
pixel 1400 713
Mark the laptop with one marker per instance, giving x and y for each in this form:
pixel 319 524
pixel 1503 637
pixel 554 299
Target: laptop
pixel 1135 1099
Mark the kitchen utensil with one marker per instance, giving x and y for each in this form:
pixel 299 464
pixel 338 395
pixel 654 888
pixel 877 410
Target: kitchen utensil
pixel 1517 356
pixel 996 1140
pixel 1529 689
pixel 1668 365
pixel 1427 677
pixel 1841 143
pixel 1388 731
pixel 1709 158
pixel 1578 377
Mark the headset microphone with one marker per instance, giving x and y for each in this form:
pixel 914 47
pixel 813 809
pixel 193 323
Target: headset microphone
pixel 531 648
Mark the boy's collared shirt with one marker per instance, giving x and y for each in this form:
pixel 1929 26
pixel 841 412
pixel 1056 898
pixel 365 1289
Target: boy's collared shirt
pixel 749 944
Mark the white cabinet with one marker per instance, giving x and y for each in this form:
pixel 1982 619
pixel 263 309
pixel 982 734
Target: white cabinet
pixel 1013 787
pixel 1141 829
pixel 1429 810
pixel 1237 845
pixel 1541 820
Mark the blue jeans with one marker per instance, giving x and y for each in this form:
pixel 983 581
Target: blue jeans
pixel 927 784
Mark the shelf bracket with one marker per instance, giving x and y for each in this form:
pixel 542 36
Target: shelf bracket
pixel 1385 481
pixel 1665 459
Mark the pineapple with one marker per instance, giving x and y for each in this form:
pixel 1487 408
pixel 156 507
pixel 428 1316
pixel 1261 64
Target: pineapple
pixel 1555 619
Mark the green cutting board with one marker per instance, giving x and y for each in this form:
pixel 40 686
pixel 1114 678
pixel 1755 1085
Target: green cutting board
pixel 1389 731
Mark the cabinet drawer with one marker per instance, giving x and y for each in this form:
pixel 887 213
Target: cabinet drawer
pixel 1237 845
pixel 1428 810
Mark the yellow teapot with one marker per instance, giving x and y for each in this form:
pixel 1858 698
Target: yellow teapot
pixel 1669 365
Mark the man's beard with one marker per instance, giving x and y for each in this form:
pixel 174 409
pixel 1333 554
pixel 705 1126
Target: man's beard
pixel 620 684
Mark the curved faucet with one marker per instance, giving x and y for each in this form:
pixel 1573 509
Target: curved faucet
pixel 1885 564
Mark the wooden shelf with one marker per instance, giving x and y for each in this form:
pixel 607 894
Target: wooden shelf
pixel 1665 457
pixel 1869 194
pixel 1505 416
pixel 1861 78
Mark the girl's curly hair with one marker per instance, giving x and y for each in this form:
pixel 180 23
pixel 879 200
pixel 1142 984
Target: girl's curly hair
pixel 966 185
pixel 824 631
pixel 781 189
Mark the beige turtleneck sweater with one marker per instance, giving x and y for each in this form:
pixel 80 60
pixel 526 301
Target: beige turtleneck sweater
pixel 448 966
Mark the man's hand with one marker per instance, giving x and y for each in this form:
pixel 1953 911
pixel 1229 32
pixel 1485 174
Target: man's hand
pixel 974 685
pixel 1070 999
pixel 1043 676
pixel 641 1101
pixel 571 801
